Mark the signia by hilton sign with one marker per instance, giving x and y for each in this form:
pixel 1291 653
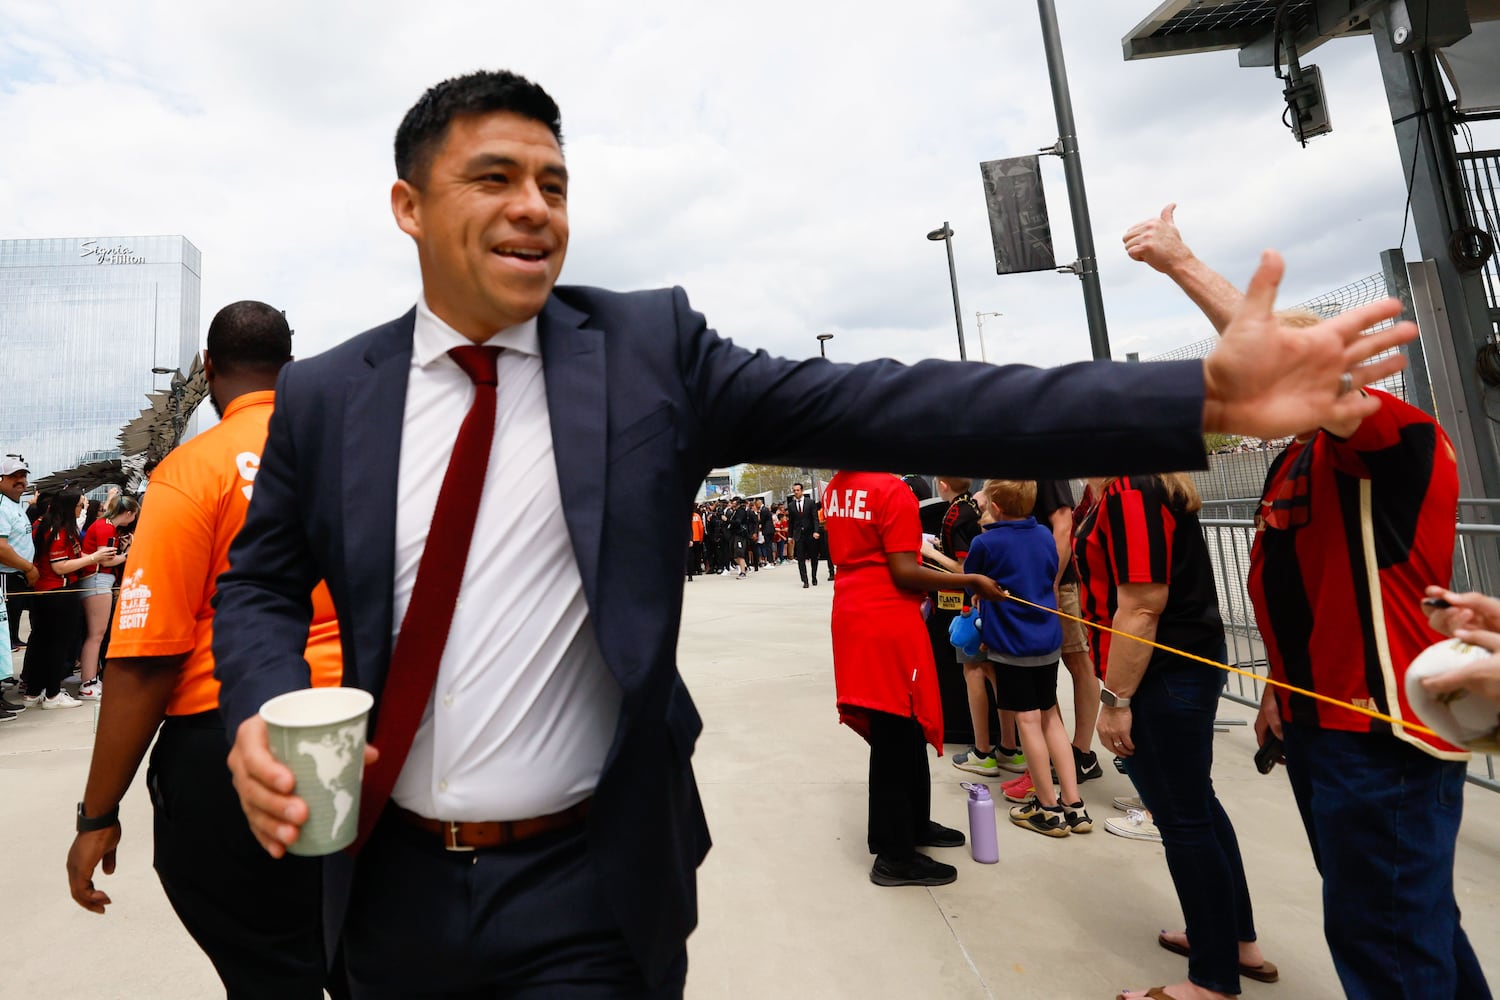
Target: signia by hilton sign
pixel 117 254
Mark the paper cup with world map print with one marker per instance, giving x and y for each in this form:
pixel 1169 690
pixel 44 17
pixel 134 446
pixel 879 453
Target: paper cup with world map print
pixel 320 734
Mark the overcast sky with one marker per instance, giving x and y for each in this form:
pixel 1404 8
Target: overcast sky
pixel 781 161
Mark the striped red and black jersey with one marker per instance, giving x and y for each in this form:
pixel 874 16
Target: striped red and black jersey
pixel 1349 535
pixel 960 526
pixel 1136 533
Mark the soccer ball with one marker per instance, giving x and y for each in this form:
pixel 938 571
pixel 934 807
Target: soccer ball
pixel 1461 717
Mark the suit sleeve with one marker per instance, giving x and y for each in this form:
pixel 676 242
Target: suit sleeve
pixel 1093 418
pixel 264 604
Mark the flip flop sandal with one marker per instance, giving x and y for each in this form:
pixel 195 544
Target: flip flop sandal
pixel 1265 972
pixel 1154 993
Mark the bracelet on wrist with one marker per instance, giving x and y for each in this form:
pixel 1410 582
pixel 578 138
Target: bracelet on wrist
pixel 88 824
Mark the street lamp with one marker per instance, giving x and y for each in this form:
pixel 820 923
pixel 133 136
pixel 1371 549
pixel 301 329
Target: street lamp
pixel 823 339
pixel 946 236
pixel 979 322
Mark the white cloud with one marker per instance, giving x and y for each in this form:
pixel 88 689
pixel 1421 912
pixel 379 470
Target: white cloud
pixel 782 162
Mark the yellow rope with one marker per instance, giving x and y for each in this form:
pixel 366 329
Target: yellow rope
pixel 1372 713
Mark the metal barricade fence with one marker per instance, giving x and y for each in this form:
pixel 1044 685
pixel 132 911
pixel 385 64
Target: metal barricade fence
pixel 1229 529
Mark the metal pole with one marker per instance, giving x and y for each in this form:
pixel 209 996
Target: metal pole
pixel 1427 156
pixel 958 316
pixel 1088 265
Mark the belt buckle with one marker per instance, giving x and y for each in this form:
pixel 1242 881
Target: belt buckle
pixel 450 839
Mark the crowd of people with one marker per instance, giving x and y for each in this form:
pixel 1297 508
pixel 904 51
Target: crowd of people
pixel 62 555
pixel 737 536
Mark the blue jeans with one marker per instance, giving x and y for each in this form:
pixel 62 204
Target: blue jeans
pixel 1172 727
pixel 1382 818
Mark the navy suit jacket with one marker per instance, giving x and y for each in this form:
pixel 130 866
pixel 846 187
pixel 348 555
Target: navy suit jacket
pixel 644 401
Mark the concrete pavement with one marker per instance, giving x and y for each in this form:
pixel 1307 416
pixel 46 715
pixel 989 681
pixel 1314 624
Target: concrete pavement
pixel 787 909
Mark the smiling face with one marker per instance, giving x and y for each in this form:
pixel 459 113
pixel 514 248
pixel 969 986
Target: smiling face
pixel 13 485
pixel 490 220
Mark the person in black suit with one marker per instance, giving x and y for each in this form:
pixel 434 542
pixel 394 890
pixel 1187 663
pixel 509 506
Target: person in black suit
pixel 805 532
pixel 630 399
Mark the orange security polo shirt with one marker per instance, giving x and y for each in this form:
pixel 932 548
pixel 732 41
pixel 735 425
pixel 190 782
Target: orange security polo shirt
pixel 194 507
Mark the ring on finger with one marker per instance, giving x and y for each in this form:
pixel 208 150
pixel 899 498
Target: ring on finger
pixel 1346 384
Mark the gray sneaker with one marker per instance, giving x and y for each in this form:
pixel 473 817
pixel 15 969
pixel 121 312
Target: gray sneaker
pixel 976 761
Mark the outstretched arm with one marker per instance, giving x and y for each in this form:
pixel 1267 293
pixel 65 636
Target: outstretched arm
pixel 1158 242
pixel 908 574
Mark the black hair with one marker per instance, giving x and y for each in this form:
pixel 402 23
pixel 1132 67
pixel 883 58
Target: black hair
pixel 248 336
pixel 422 131
pixel 58 518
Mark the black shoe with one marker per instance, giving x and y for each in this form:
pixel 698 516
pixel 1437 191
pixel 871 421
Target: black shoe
pixel 938 835
pixel 919 869
pixel 815 581
pixel 804 584
pixel 6 715
pixel 1086 763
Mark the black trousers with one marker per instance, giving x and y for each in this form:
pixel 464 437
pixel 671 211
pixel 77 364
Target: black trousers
pixel 15 603
pixel 525 922
pixel 258 919
pixel 900 785
pixel 56 625
pixel 807 549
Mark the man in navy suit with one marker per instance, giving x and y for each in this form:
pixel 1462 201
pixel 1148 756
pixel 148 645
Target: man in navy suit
pixel 558 724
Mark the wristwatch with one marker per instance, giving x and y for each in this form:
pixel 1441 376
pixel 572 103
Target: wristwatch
pixel 1109 699
pixel 88 824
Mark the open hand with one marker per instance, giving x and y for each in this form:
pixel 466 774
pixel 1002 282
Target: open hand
pixel 1269 380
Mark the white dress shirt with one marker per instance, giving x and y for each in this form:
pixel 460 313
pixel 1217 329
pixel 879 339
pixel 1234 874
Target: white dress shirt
pixel 524 707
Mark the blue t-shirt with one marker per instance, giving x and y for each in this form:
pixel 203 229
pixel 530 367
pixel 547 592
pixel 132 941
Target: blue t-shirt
pixel 15 528
pixel 1021 556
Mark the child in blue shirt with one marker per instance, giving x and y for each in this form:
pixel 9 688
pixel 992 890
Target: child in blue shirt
pixel 1024 645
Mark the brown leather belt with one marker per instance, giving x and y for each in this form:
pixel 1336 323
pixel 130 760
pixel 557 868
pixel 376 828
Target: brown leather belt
pixel 460 836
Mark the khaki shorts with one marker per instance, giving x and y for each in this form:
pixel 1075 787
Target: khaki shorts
pixel 1075 640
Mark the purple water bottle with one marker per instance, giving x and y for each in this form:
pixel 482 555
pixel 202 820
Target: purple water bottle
pixel 982 823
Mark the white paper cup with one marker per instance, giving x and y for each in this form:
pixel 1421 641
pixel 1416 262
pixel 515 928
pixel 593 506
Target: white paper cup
pixel 320 734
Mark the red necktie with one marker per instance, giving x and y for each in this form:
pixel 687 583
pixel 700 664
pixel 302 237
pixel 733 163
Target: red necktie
pixel 424 631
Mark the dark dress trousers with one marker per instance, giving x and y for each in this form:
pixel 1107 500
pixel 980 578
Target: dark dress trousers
pixel 644 401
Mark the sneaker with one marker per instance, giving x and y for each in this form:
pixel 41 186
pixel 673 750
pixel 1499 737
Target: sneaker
pixel 1125 803
pixel 1013 761
pixel 919 869
pixel 94 690
pixel 1049 821
pixel 976 761
pixel 938 835
pixel 1018 790
pixel 27 700
pixel 6 715
pixel 1086 763
pixel 61 700
pixel 1134 825
pixel 1077 818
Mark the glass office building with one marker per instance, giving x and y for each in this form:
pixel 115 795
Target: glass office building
pixel 82 323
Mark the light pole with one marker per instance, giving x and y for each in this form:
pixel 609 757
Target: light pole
pixel 946 236
pixel 823 339
pixel 979 322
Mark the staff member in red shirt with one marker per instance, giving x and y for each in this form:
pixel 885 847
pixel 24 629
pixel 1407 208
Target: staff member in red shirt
pixel 883 667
